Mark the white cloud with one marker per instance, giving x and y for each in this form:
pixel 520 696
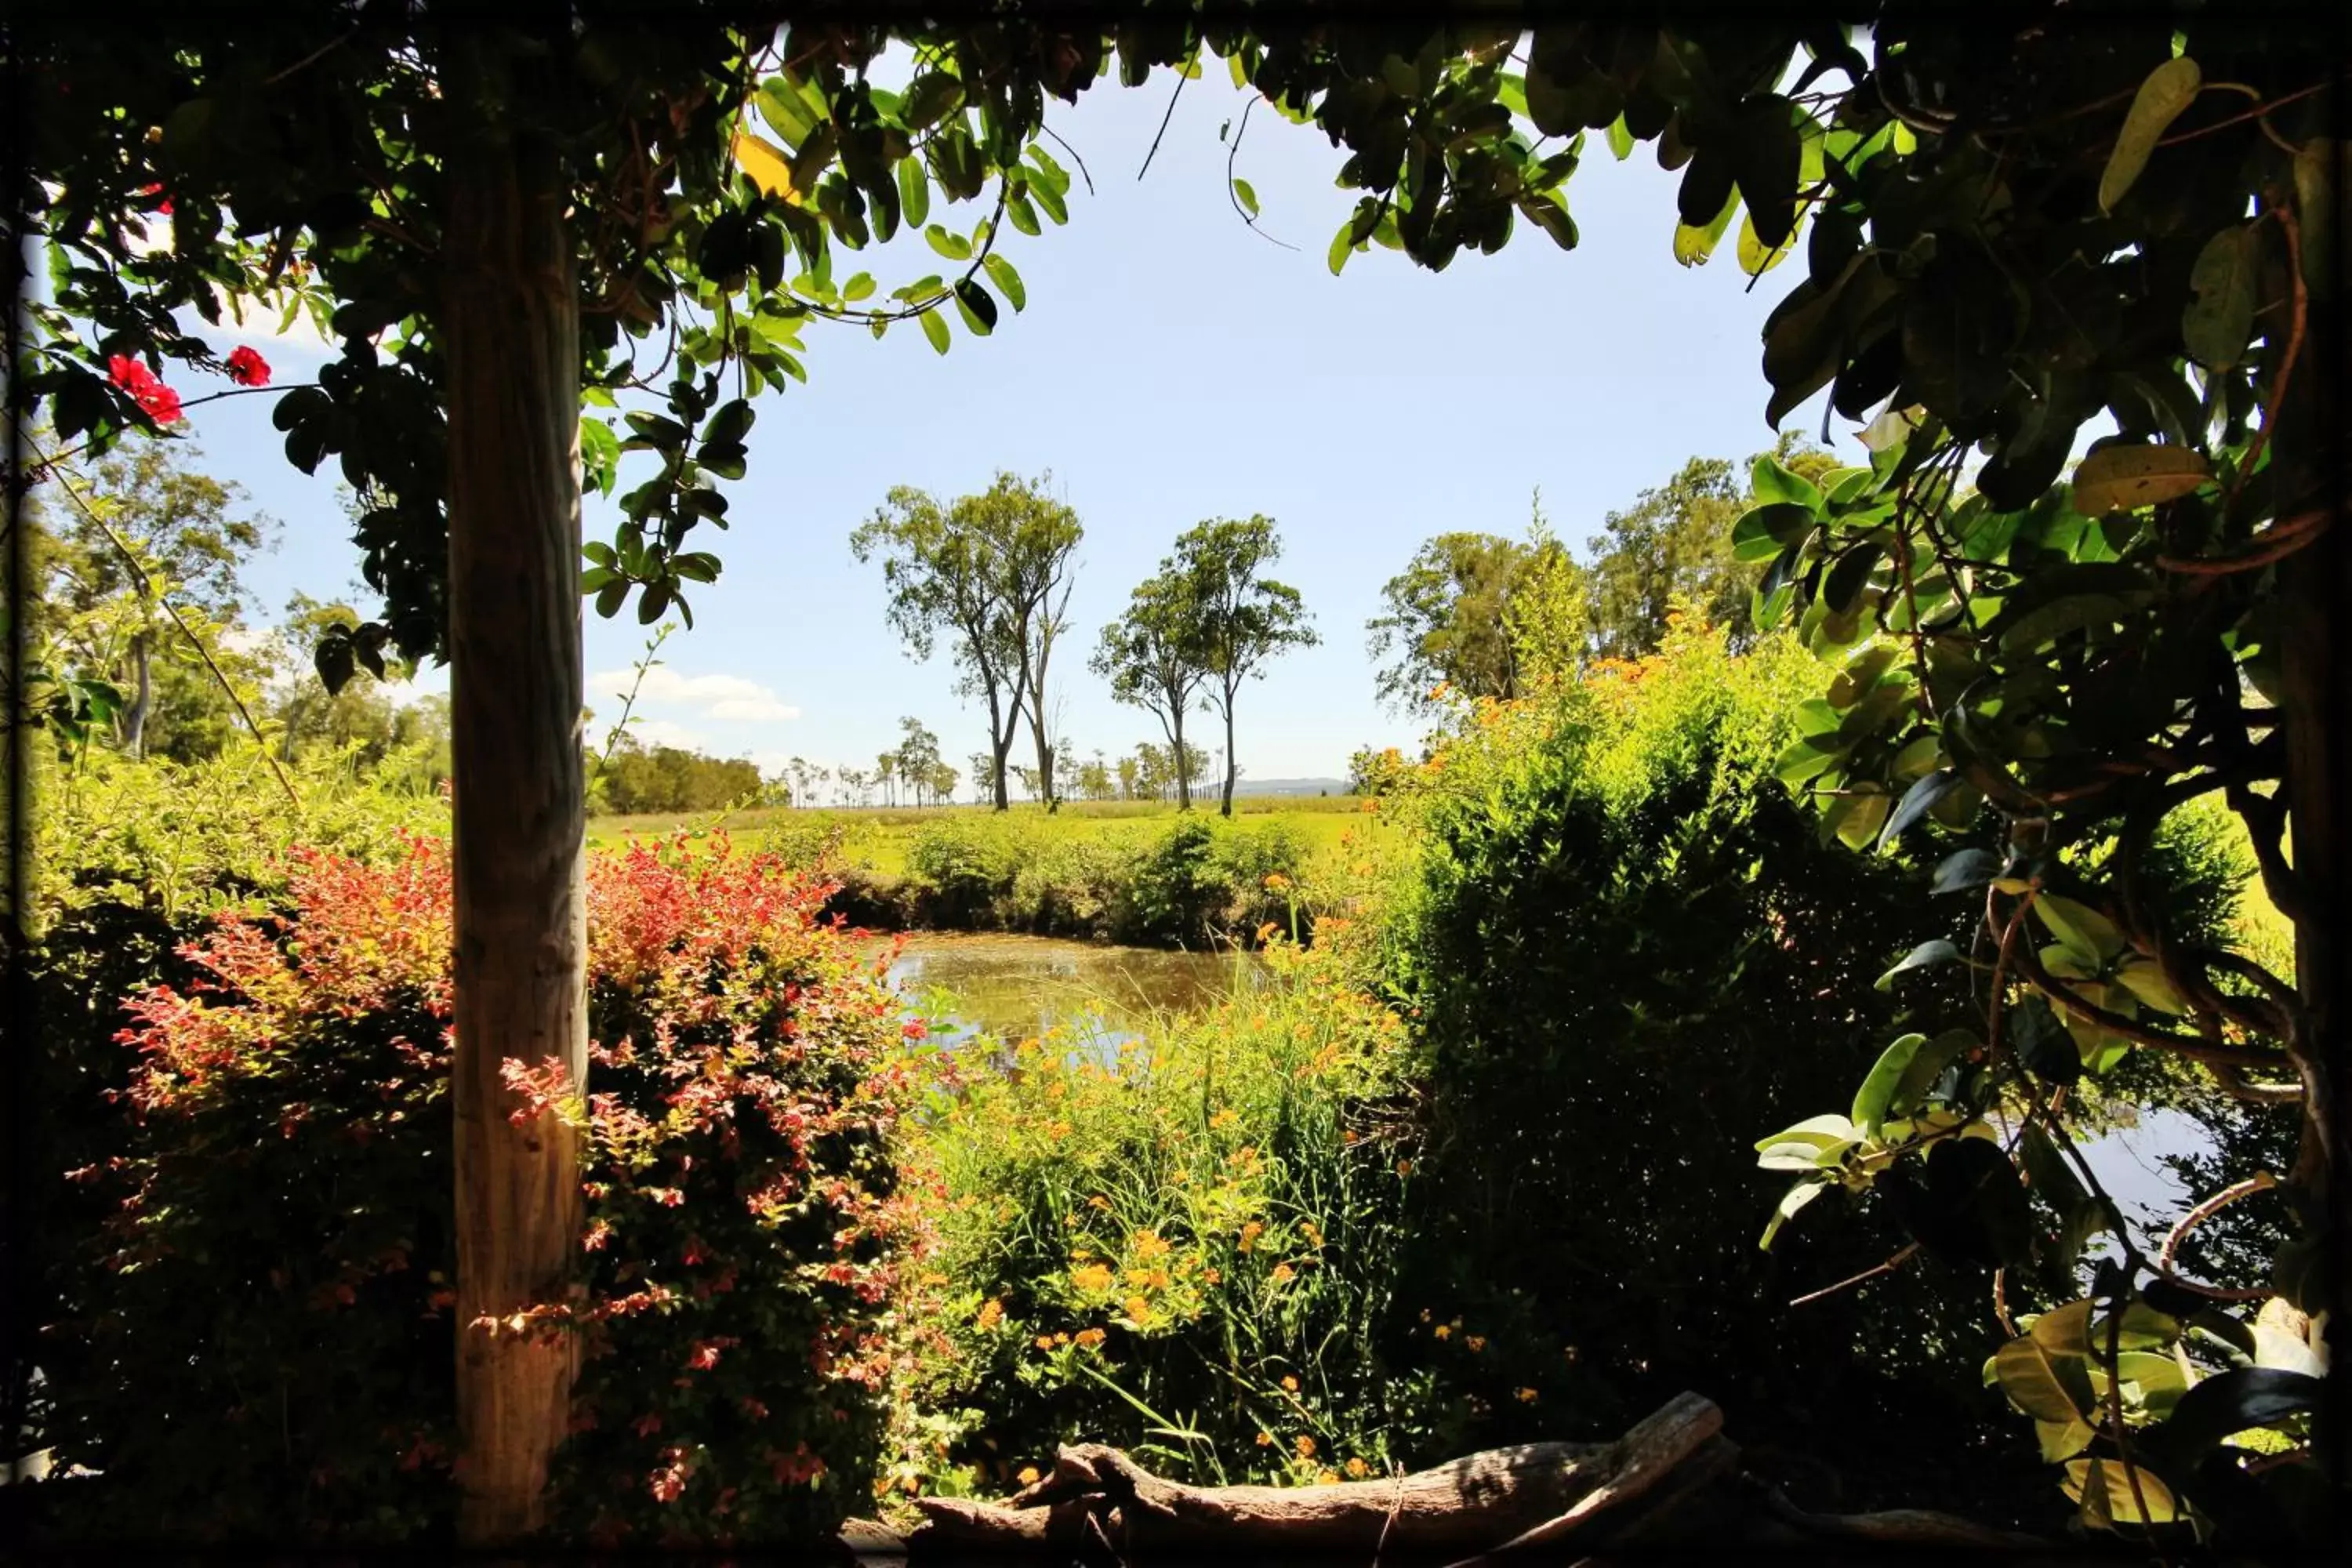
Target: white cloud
pixel 665 732
pixel 723 699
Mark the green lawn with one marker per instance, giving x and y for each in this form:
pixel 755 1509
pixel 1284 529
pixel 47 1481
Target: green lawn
pixel 877 836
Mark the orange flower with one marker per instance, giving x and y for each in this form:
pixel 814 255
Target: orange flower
pixel 1094 1278
pixel 1266 1439
pixel 1250 1233
pixel 1044 1341
pixel 1327 1478
pixel 1525 1395
pixel 1090 1338
pixel 1284 1274
pixel 1475 1342
pixel 1290 1384
pixel 1358 1467
pixel 990 1314
pixel 1305 1445
pixel 1028 1476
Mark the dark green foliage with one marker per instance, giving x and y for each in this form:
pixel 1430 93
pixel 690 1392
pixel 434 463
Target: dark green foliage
pixel 1631 953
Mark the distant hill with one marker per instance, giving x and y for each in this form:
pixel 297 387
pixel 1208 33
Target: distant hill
pixel 1248 785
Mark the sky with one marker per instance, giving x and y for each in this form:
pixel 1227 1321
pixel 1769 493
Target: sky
pixel 1172 365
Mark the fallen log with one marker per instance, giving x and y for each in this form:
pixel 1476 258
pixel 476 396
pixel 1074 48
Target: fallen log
pixel 1538 1498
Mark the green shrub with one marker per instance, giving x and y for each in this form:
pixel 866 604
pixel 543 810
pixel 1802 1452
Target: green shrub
pixel 1631 954
pixel 266 1347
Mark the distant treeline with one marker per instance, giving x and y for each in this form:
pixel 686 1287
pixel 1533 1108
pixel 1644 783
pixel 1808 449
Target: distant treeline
pixel 666 779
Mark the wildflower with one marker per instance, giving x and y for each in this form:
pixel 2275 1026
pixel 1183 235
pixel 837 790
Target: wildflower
pixel 1225 1118
pixel 1276 882
pixel 1525 1395
pixel 1149 1245
pixel 1444 1330
pixel 1090 1338
pixel 1475 1342
pixel 1327 1478
pixel 247 368
pixel 1305 1445
pixel 1028 1476
pixel 1290 1386
pixel 1265 1439
pixel 1357 1468
pixel 1044 1341
pixel 705 1356
pixel 1284 1274
pixel 1138 1308
pixel 1250 1233
pixel 1405 1167
pixel 1265 933
pixel 1094 1278
pixel 990 1314
pixel 1099 1202
pixel 598 1235
pixel 1211 1277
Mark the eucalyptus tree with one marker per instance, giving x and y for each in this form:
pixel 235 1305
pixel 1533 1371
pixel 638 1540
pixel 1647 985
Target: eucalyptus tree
pixel 1152 659
pixel 1443 620
pixel 1236 619
pixel 992 572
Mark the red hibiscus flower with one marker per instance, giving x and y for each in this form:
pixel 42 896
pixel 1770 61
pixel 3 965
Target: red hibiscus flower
pixel 161 404
pixel 247 368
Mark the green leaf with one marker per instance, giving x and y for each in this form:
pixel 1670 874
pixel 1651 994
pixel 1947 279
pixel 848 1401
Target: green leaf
pixel 976 306
pixel 1822 1131
pixel 935 328
pixel 2081 928
pixel 1926 955
pixel 954 247
pixel 1001 273
pixel 2167 90
pixel 1341 244
pixel 1968 868
pixel 1770 481
pixel 1247 197
pixel 1927 1064
pixel 1873 1100
pixel 2062 1440
pixel 2063 1330
pixel 1693 243
pixel 1795 1199
pixel 2125 477
pixel 1756 260
pixel 2028 1372
pixel 2217 322
pixel 914 191
pixel 1765 531
pixel 1917 801
pixel 929 99
pixel 610 596
pixel 1621 141
pixel 2107 1491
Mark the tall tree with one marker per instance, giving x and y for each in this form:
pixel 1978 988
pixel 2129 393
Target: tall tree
pixel 1238 618
pixel 145 525
pixel 988 571
pixel 1153 658
pixel 1443 620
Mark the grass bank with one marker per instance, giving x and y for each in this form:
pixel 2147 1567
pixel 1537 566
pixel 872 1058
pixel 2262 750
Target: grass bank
pixel 1133 871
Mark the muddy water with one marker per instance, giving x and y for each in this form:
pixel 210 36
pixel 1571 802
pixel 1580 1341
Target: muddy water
pixel 1016 986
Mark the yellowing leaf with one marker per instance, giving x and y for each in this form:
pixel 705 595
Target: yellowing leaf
pixel 2125 478
pixel 2111 1495
pixel 2167 89
pixel 765 162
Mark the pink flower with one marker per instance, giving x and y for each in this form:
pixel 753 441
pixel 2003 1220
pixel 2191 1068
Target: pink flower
pixel 247 368
pixel 705 1357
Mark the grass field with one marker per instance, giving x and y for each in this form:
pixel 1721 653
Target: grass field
pixel 875 837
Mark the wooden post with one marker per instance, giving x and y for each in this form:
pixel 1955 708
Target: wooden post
pixel 512 335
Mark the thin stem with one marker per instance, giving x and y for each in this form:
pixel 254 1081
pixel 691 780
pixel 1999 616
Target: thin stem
pixel 1180 80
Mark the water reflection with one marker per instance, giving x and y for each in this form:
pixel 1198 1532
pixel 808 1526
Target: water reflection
pixel 1017 986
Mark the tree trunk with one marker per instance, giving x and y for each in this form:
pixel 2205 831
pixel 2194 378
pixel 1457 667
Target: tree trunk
pixel 1232 769
pixel 2312 445
pixel 134 723
pixel 1184 773
pixel 511 325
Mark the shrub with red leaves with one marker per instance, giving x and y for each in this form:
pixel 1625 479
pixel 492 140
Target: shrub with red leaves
pixel 276 1333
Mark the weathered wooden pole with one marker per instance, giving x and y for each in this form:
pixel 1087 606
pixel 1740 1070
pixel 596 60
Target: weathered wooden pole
pixel 510 325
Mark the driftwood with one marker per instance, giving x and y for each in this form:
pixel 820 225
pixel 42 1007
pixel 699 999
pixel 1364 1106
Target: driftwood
pixel 1670 1486
pixel 1099 1503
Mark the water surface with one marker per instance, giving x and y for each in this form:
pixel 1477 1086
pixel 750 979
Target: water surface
pixel 1018 986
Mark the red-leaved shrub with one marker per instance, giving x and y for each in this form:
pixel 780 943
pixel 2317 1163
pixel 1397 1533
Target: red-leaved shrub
pixel 272 1338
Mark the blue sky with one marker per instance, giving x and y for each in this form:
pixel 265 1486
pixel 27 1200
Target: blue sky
pixel 1170 366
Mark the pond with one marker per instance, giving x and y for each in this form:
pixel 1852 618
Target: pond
pixel 1017 986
